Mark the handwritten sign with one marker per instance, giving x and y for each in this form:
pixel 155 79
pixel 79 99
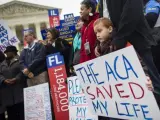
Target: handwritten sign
pixel 115 87
pixel 37 103
pixel 59 90
pixel 6 36
pixel 78 106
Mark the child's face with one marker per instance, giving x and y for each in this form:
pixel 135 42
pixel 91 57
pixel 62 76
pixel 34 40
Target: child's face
pixel 102 32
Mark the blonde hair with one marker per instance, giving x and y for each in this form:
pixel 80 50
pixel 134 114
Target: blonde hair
pixel 105 21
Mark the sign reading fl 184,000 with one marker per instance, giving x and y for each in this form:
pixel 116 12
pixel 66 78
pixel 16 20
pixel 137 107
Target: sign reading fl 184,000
pixel 59 91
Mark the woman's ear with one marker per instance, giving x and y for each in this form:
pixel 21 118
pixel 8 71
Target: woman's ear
pixel 90 10
pixel 110 29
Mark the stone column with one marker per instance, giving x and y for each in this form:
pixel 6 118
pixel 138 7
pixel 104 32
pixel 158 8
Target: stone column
pixel 13 29
pixel 38 31
pixel 25 27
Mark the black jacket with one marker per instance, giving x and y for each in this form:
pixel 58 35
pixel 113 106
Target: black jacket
pixel 64 48
pixel 34 59
pixel 11 94
pixel 2 57
pixel 129 23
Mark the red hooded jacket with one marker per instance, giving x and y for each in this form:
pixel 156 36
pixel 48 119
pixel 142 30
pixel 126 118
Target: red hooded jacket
pixel 87 33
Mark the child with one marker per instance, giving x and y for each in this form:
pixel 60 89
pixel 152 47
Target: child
pixel 103 29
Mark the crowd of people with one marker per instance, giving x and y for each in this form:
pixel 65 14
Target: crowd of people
pixel 125 23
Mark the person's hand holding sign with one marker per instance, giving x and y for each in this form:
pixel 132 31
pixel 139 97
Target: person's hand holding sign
pixel 26 71
pixel 30 75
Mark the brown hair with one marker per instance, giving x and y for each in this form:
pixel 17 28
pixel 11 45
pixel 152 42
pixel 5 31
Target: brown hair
pixel 105 21
pixel 55 33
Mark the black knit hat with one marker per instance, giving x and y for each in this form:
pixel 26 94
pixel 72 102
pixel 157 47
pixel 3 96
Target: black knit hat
pixel 11 49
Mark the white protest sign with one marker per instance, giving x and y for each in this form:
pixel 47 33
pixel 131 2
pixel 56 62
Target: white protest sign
pixel 78 106
pixel 114 85
pixel 37 103
pixel 6 36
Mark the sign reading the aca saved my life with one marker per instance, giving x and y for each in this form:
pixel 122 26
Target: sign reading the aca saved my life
pixel 114 85
pixel 37 103
pixel 78 106
pixel 59 90
pixel 6 36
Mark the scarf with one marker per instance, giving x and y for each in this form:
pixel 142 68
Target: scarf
pixel 104 47
pixel 77 42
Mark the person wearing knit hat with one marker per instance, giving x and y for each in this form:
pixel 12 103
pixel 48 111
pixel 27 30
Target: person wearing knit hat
pixel 12 82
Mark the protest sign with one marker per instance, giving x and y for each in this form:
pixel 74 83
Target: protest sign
pixel 54 18
pixel 59 91
pixel 67 32
pixel 44 34
pixel 69 22
pixel 6 36
pixel 37 103
pixel 78 106
pixel 67 27
pixel 114 85
pixel 68 17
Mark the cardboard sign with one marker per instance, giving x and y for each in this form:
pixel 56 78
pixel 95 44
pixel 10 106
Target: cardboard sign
pixel 37 103
pixel 78 106
pixel 54 18
pixel 59 90
pixel 6 36
pixel 115 87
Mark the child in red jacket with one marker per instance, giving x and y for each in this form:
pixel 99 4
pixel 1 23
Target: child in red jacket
pixel 103 29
